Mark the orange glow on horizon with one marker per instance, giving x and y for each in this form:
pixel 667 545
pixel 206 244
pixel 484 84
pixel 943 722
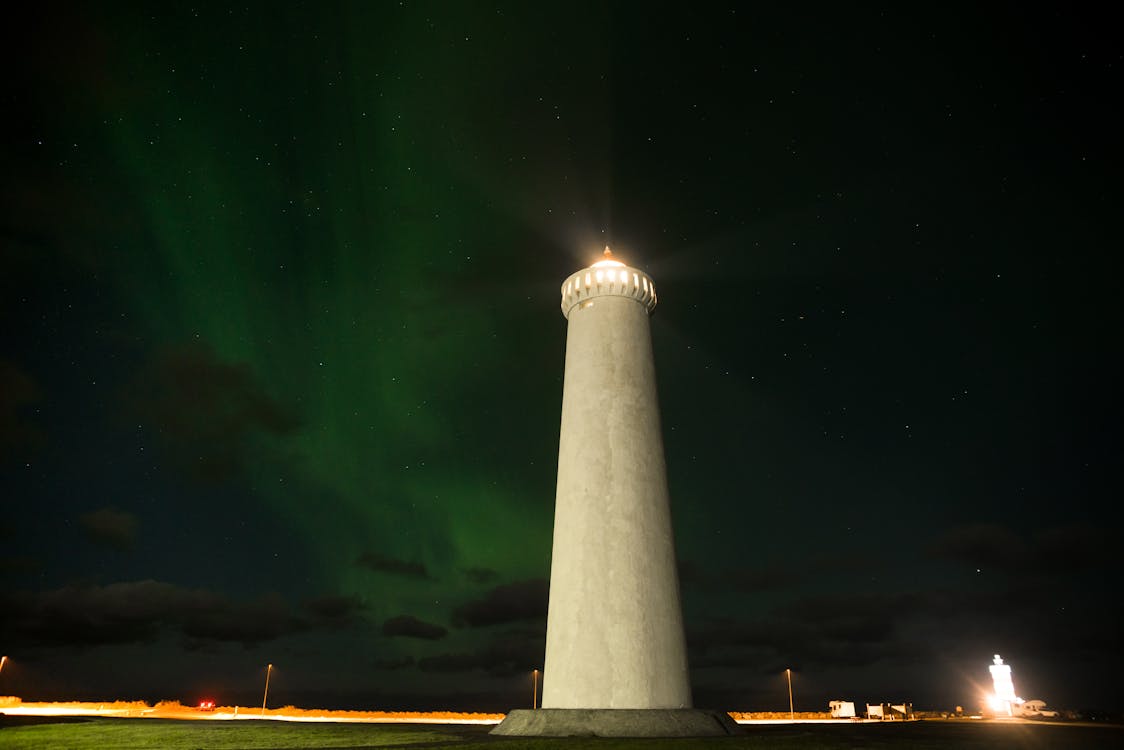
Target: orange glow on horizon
pixel 207 711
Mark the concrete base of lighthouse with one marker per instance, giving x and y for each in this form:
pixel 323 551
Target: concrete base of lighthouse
pixel 617 722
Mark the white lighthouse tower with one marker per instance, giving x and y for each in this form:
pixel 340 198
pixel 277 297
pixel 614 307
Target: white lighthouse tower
pixel 616 661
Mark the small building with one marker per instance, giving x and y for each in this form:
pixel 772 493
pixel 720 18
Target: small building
pixel 842 709
pixel 1035 709
pixel 889 711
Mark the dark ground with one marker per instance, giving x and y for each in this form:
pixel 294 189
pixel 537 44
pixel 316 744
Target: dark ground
pixel 166 735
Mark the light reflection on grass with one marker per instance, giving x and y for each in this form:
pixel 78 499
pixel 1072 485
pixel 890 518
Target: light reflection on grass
pixel 161 734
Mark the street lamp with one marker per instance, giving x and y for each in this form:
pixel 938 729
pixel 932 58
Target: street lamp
pixel 535 689
pixel 3 661
pixel 264 697
pixel 791 715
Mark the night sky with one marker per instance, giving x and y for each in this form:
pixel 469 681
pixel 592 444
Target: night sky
pixel 281 352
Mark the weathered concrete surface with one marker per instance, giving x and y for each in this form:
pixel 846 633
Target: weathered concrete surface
pixel 614 626
pixel 619 722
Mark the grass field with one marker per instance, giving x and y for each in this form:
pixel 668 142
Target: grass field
pixel 160 734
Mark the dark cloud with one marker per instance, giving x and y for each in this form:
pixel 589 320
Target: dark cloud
pixel 690 573
pixel 334 609
pixel 480 575
pixel 1074 548
pixel 208 412
pixel 110 526
pixel 393 566
pixel 725 633
pixel 982 545
pixel 1048 552
pixel 393 664
pixel 406 626
pixel 512 652
pixel 19 436
pixel 841 611
pixel 263 618
pixel 832 630
pixel 750 579
pixel 462 662
pixel 860 629
pixel 511 602
pixel 19 564
pixel 141 611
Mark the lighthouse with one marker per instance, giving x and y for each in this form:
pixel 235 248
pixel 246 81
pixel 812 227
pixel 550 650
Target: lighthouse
pixel 616 659
pixel 1003 701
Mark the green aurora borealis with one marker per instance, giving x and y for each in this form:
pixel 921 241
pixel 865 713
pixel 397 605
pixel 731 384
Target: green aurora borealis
pixel 283 355
pixel 331 255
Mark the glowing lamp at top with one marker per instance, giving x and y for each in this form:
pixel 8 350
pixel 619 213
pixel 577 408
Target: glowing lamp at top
pixel 608 261
pixel 607 277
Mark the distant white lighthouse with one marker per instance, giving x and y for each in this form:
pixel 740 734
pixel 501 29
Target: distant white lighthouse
pixel 1004 699
pixel 616 660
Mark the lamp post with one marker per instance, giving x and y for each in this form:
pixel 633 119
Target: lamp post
pixel 535 689
pixel 791 714
pixel 266 695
